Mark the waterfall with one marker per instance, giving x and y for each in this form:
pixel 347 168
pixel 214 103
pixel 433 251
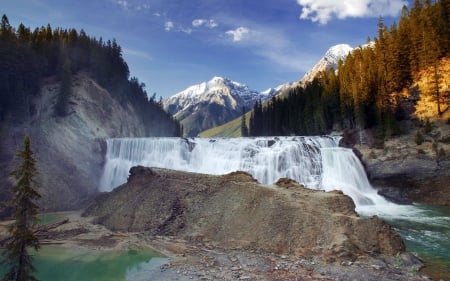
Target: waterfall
pixel 267 159
pixel 316 162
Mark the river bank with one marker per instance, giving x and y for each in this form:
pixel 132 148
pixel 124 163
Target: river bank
pixel 195 260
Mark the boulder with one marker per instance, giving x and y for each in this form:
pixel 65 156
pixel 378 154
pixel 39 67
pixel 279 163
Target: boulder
pixel 234 211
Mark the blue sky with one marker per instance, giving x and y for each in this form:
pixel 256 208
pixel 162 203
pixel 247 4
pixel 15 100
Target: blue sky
pixel 172 44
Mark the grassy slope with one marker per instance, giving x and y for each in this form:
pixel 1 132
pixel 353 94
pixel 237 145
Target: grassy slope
pixel 231 129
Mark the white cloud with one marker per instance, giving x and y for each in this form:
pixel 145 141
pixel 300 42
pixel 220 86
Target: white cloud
pixel 168 26
pixel 136 5
pixel 171 26
pixel 323 11
pixel 239 33
pixel 204 22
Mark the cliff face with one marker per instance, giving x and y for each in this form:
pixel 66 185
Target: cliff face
pixel 69 150
pixel 234 211
pixel 406 172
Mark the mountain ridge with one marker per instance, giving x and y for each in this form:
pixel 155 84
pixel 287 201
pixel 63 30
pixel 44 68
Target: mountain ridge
pixel 329 61
pixel 219 100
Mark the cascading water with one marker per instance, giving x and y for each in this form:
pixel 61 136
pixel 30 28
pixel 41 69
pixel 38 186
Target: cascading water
pixel 267 159
pixel 316 162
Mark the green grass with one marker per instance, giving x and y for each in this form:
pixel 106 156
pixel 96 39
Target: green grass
pixel 231 129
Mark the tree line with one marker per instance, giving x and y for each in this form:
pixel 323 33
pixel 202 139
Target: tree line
pixel 29 56
pixel 365 90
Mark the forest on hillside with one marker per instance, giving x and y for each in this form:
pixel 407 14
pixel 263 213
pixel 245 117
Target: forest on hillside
pixel 27 57
pixel 365 91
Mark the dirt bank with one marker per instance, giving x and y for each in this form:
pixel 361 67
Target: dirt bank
pixel 190 260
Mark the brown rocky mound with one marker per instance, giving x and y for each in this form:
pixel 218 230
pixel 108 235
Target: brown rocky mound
pixel 234 211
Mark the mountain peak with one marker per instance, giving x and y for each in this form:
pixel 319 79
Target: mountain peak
pixel 221 97
pixel 328 61
pixel 338 51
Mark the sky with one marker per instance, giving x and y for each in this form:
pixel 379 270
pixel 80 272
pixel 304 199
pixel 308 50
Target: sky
pixel 172 44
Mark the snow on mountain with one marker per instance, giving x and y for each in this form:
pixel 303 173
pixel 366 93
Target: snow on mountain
pixel 271 92
pixel 329 60
pixel 212 103
pixel 218 90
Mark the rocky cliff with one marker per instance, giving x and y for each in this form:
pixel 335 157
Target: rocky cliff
pixel 234 211
pixel 406 171
pixel 69 150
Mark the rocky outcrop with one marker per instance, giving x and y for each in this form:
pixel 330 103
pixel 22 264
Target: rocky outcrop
pixel 234 211
pixel 405 171
pixel 69 150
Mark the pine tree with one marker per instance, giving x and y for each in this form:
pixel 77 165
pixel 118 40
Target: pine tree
pixel 25 211
pixel 244 128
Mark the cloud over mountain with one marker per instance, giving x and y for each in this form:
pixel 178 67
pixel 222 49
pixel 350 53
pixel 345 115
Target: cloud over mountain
pixel 322 11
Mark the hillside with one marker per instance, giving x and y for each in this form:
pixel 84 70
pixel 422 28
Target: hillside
pixel 67 91
pixel 378 87
pixel 230 129
pixel 329 61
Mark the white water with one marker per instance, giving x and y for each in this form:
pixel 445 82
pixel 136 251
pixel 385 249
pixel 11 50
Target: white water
pixel 316 162
pixel 267 159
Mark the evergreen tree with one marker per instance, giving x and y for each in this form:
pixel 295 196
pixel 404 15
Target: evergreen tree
pixel 244 128
pixel 25 211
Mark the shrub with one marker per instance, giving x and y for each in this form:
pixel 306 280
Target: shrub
pixel 418 138
pixel 428 127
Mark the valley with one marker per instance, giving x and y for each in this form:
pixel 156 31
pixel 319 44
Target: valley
pixel 340 175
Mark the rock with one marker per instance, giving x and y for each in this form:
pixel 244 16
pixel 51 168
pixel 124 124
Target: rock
pixel 394 194
pixel 405 172
pixel 235 212
pixel 69 150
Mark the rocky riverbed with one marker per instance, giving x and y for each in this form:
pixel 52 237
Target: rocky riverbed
pixel 232 228
pixel 196 260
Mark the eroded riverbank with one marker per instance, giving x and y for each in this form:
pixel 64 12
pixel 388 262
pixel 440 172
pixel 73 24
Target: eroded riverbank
pixel 195 260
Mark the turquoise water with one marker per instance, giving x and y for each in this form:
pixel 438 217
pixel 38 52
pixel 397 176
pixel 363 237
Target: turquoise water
pixel 64 264
pixel 428 235
pixel 49 218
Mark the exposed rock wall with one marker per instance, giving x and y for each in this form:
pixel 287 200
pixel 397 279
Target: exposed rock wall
pixel 69 150
pixel 406 172
pixel 234 211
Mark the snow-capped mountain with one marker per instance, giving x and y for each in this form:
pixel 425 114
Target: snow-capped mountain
pixel 329 60
pixel 220 100
pixel 212 103
pixel 271 92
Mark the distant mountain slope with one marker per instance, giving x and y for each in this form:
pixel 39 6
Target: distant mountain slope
pixel 230 129
pixel 328 61
pixel 212 103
